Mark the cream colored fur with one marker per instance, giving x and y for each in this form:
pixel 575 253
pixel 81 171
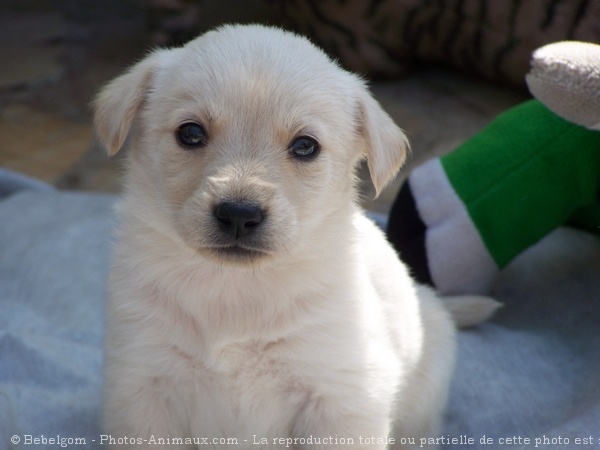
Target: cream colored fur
pixel 317 333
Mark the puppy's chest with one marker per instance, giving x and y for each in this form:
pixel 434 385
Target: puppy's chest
pixel 248 364
pixel 245 380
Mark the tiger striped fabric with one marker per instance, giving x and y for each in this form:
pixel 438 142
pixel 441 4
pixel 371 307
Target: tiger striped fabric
pixel 492 38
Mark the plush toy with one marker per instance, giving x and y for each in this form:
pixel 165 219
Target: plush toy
pixel 461 218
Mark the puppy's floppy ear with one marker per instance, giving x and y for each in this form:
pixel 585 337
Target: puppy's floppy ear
pixel 118 103
pixel 386 144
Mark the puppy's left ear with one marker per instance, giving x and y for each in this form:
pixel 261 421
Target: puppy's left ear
pixel 386 144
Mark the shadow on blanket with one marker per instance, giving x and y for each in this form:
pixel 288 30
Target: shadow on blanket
pixel 531 373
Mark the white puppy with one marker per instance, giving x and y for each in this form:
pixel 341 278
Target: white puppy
pixel 252 305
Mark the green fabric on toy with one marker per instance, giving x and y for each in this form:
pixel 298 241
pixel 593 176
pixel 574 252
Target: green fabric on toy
pixel 461 218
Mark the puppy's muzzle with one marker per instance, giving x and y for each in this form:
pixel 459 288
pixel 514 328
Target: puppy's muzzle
pixel 238 219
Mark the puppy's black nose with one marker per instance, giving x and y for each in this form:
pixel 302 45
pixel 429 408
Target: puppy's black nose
pixel 238 218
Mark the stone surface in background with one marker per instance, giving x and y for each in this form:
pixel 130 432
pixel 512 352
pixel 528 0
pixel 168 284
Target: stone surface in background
pixel 52 143
pixel 54 61
pixel 30 50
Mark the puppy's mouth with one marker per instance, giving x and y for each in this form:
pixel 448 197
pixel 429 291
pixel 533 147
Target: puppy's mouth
pixel 237 253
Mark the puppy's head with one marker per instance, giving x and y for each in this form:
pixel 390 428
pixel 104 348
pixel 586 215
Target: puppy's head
pixel 247 138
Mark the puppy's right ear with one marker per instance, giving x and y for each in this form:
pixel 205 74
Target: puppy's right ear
pixel 118 103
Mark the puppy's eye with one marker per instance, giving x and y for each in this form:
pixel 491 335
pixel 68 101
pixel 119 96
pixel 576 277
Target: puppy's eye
pixel 191 135
pixel 304 147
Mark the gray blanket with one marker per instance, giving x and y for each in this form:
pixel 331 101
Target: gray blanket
pixel 532 373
